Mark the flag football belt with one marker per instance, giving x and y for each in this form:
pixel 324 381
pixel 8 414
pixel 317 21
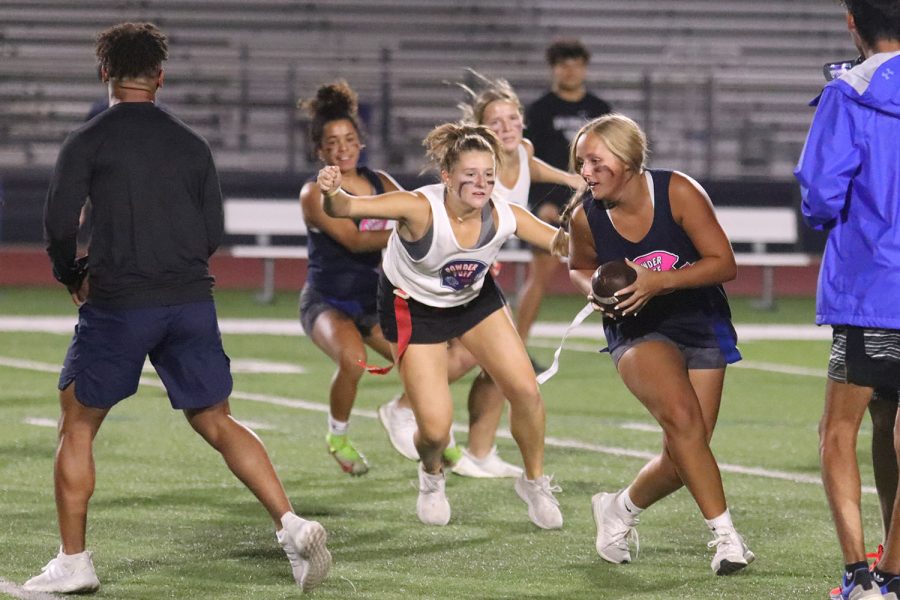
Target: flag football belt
pixel 404 332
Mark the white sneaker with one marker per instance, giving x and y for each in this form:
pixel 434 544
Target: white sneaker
pixel 732 554
pixel 67 573
pixel 400 424
pixel 613 530
pixel 491 466
pixel 432 507
pixel 543 508
pixel 304 543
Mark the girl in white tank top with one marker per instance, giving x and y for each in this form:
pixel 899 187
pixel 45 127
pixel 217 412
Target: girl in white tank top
pixel 466 156
pixel 448 274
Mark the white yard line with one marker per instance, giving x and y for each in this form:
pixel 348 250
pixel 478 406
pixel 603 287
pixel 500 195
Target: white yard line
pixel 550 441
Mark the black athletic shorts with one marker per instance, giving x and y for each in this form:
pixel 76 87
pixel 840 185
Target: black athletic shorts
pixel 865 356
pixel 432 325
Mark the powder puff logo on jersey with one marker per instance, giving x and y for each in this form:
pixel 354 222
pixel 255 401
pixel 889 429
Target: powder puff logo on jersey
pixel 658 260
pixel 460 274
pixel 374 224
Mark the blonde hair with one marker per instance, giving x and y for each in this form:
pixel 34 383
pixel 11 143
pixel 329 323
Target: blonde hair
pixel 489 90
pixel 624 138
pixel 445 143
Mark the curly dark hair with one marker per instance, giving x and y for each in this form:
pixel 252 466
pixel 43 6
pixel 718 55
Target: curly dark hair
pixel 333 102
pixel 875 19
pixel 561 50
pixel 131 50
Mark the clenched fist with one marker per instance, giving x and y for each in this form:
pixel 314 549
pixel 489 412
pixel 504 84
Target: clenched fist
pixel 329 180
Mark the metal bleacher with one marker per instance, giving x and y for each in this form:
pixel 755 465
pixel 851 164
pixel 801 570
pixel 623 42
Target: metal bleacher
pixel 721 86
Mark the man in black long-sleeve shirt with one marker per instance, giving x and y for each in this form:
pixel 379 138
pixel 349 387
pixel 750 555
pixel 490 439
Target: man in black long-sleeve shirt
pixel 145 289
pixel 157 208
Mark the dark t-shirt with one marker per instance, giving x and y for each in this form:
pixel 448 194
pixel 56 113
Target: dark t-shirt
pixel 157 208
pixel 551 124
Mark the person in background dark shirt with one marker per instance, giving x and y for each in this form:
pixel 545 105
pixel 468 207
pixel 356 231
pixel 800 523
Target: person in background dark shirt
pixel 145 289
pixel 551 122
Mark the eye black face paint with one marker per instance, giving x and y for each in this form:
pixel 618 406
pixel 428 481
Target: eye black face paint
pixel 463 184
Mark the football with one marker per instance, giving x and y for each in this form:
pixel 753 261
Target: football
pixel 608 279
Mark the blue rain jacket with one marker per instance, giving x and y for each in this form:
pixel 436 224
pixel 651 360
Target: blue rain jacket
pixel 849 175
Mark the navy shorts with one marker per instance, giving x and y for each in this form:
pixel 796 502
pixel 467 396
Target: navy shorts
pixel 109 347
pixel 313 303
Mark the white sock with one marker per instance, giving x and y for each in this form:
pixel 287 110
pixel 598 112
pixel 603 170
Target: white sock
pixel 723 521
pixel 336 427
pixel 287 515
pixel 625 504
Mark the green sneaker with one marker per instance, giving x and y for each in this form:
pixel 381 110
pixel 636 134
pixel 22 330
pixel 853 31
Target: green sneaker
pixel 351 460
pixel 452 454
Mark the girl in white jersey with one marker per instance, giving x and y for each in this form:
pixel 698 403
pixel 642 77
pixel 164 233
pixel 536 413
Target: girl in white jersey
pixel 497 106
pixel 437 286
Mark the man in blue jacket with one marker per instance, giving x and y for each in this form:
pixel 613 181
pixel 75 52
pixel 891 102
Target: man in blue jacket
pixel 849 174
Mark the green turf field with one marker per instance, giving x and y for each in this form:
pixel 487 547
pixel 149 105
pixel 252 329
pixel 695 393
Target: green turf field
pixel 169 521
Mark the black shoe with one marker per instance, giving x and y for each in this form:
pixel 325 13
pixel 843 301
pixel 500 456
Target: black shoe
pixel 859 583
pixel 888 584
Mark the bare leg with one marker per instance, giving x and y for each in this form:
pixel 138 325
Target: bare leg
pixel 659 477
pixel 655 373
pixel 890 562
pixel 244 454
pixel 377 342
pixel 337 336
pixel 424 372
pixel 486 404
pixel 459 362
pixel 883 410
pixel 845 405
pixel 73 472
pixel 500 351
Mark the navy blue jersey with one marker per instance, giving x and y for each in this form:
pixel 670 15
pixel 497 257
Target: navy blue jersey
pixel 335 272
pixel 698 317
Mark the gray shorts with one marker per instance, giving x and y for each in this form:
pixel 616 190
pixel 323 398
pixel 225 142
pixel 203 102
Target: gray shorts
pixel 694 357
pixel 865 356
pixel 313 304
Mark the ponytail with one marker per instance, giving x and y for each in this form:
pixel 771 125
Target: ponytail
pixel 445 143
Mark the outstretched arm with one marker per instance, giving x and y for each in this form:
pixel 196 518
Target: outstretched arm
pixel 410 210
pixel 542 172
pixel 344 231
pixel 534 231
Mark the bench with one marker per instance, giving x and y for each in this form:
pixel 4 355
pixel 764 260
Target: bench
pixel 265 218
pixel 268 218
pixel 759 227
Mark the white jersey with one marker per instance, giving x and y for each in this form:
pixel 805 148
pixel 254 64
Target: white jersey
pixel 448 275
pixel 518 194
